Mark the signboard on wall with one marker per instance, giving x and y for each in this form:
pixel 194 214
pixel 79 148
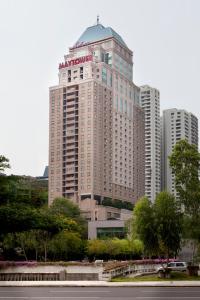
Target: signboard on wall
pixel 76 61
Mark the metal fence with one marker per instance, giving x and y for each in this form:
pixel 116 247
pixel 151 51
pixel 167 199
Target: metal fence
pixel 48 276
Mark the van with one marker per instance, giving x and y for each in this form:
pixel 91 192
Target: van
pixel 179 266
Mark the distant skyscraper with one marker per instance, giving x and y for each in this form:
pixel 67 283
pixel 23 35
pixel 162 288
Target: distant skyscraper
pixel 96 143
pixel 150 102
pixel 177 124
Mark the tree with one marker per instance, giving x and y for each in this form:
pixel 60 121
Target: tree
pixel 33 242
pixel 158 225
pixel 168 223
pixel 29 226
pixel 8 245
pixel 4 163
pixel 66 245
pixel 23 239
pixel 144 226
pixel 136 247
pixel 17 217
pixel 67 209
pixel 23 189
pixel 114 248
pixel 185 163
pixel 45 241
pixel 96 248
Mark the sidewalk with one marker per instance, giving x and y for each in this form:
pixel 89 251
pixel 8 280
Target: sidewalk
pixel 100 283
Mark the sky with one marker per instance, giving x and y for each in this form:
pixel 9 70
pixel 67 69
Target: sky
pixel 35 34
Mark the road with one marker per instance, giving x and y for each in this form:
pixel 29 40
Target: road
pixel 104 293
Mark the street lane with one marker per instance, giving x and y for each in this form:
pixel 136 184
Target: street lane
pixel 98 293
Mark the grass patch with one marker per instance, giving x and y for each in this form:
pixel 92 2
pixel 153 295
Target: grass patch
pixel 174 277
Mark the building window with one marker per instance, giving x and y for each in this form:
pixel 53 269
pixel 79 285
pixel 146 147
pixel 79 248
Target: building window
pixel 104 75
pixel 121 105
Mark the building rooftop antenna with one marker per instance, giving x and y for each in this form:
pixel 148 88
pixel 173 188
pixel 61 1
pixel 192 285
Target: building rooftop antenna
pixel 97 19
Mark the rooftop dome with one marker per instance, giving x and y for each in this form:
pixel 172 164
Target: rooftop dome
pixel 99 32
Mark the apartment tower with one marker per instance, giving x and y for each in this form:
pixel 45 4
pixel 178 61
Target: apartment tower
pixel 177 124
pixel 150 102
pixel 96 142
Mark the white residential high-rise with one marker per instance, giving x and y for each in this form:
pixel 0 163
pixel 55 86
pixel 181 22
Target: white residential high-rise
pixel 150 102
pixel 177 124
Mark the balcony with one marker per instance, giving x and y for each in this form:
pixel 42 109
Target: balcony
pixel 70 113
pixel 70 138
pixel 70 110
pixel 69 170
pixel 69 178
pixel 69 118
pixel 72 147
pixel 68 183
pixel 69 190
pixel 68 142
pixel 69 154
pixel 70 133
pixel 69 160
pixel 71 97
pixel 70 121
pixel 69 151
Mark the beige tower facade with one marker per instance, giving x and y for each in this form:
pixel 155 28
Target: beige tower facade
pixel 96 142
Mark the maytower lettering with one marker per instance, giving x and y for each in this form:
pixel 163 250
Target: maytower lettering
pixel 77 61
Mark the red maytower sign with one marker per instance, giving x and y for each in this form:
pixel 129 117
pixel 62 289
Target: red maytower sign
pixel 76 61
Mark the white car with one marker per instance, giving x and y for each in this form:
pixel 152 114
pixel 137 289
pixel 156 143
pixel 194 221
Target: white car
pixel 179 266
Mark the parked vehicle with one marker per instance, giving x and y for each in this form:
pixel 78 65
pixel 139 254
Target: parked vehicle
pixel 179 266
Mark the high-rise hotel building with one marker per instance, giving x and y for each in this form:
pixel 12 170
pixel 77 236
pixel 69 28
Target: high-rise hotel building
pixel 96 143
pixel 177 124
pixel 150 102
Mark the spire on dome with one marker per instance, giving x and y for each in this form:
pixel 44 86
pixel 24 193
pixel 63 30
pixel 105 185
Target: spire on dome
pixel 98 32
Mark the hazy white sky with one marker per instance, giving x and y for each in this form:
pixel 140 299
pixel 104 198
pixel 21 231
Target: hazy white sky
pixel 35 34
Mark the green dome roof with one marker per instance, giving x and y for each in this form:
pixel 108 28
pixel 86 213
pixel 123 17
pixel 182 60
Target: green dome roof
pixel 99 32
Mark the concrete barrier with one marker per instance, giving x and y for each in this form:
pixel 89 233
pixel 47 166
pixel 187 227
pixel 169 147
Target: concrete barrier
pixel 89 272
